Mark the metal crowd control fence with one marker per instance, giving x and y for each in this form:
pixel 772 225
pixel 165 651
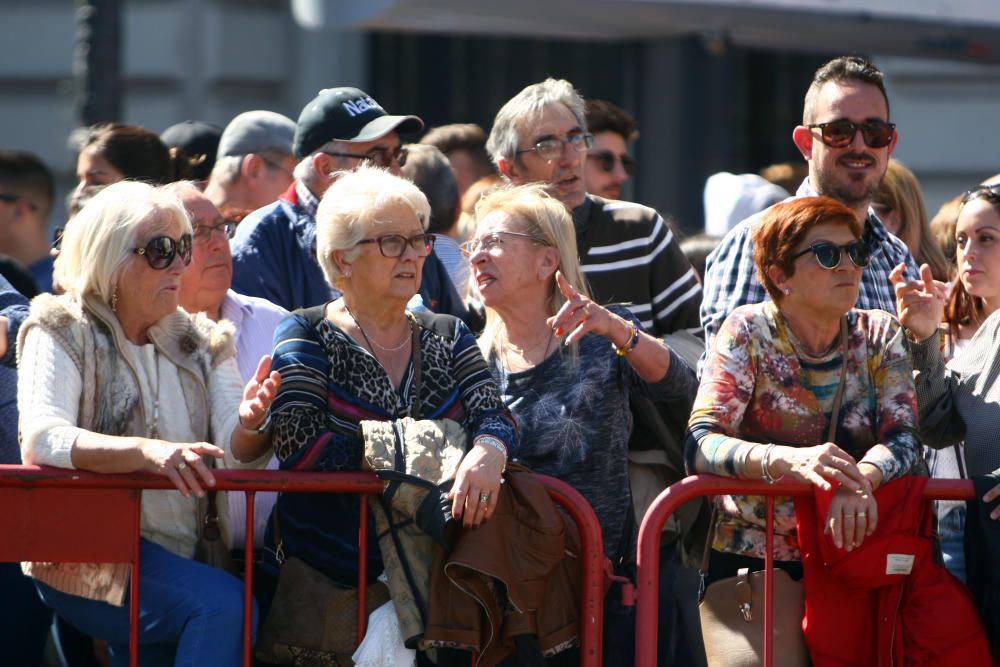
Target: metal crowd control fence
pixel 648 562
pixel 58 515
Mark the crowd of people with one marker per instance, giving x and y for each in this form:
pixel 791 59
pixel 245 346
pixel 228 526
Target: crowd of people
pixel 454 313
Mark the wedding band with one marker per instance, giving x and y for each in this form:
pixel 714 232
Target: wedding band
pixel 484 497
pixel 182 465
pixel 862 513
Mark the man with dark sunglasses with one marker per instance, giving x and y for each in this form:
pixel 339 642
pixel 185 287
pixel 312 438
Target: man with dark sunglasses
pixel 609 164
pixel 847 138
pixel 274 250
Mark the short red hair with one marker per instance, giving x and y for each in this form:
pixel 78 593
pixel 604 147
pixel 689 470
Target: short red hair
pixel 777 235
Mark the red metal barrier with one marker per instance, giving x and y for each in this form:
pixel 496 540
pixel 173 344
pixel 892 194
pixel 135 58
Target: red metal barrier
pixel 77 516
pixel 648 557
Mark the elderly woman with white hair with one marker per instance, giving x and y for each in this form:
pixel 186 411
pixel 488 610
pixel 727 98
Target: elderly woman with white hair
pixel 353 359
pixel 114 377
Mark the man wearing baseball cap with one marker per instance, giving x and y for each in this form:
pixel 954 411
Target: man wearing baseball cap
pixel 254 162
pixel 274 251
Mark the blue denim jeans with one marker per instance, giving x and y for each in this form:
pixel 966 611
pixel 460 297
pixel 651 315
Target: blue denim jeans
pixel 190 614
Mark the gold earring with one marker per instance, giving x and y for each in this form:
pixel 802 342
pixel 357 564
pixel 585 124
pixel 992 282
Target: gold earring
pixel 114 301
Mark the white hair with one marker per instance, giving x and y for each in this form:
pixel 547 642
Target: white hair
pixel 524 109
pixel 101 238
pixel 351 208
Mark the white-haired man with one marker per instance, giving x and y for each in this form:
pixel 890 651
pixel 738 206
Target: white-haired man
pixel 274 251
pixel 627 251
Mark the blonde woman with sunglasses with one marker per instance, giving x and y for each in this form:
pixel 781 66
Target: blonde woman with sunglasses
pixel 114 377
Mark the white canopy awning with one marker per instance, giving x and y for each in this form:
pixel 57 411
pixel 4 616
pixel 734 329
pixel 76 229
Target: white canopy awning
pixel 951 29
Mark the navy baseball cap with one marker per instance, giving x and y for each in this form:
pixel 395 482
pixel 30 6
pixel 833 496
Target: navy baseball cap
pixel 346 114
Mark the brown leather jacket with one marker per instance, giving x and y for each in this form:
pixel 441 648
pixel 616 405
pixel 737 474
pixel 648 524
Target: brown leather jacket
pixel 516 574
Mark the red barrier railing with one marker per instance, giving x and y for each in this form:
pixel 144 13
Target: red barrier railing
pixel 650 532
pixel 75 516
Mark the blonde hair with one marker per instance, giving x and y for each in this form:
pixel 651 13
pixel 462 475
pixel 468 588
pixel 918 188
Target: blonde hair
pixel 545 218
pixel 101 238
pixel 900 191
pixel 350 210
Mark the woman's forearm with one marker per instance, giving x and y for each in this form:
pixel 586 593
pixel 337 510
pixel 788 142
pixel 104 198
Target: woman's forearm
pixel 108 453
pixel 650 358
pixel 249 445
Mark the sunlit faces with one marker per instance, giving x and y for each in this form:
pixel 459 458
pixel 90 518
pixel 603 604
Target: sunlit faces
pixel 850 174
pixel 565 173
pixel 93 169
pixel 144 294
pixel 977 233
pixel 599 181
pixel 210 273
pixel 813 287
pixel 510 266
pixel 376 277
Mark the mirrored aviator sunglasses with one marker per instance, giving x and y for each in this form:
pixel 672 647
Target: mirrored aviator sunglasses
pixel 829 255
pixel 840 133
pixel 161 250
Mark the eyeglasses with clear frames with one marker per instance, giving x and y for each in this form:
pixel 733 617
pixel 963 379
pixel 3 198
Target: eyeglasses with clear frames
pixel 394 245
pixel 552 149
pixel 202 233
pixel 494 241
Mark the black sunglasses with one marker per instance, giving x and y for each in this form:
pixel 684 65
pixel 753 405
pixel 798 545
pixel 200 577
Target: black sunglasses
pixel 990 190
pixel 380 157
pixel 606 161
pixel 829 254
pixel 160 251
pixel 394 245
pixel 840 133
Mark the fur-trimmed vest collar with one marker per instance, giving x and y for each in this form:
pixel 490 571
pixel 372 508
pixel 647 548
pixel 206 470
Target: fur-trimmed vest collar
pixel 92 336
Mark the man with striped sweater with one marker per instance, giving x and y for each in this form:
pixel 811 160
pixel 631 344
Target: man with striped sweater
pixel 628 252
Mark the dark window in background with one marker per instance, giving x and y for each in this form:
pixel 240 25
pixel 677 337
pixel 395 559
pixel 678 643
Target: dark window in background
pixel 702 106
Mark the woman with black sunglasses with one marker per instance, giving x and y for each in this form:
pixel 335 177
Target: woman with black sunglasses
pixel 777 372
pixel 114 377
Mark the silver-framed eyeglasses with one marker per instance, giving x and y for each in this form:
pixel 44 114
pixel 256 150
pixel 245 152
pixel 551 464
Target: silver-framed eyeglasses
pixel 494 242
pixel 552 149
pixel 394 245
pixel 202 233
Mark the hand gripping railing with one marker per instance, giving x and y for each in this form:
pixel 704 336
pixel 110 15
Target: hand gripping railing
pixel 57 515
pixel 648 558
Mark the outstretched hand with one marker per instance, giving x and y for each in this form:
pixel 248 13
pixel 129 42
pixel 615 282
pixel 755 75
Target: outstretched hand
pixel 581 315
pixel 919 303
pixel 258 394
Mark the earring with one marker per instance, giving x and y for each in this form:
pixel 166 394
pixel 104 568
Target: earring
pixel 787 291
pixel 347 272
pixel 114 301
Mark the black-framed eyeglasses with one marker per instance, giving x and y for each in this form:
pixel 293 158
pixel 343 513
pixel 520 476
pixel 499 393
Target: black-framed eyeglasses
pixel 551 149
pixel 606 161
pixel 274 165
pixel 394 245
pixel 161 250
pixel 378 156
pixel 828 255
pixel 840 133
pixel 494 241
pixel 202 233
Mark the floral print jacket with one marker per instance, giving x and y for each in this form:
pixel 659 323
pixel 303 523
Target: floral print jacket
pixel 760 386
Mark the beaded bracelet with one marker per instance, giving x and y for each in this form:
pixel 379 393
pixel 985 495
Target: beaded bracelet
pixel 492 441
pixel 633 340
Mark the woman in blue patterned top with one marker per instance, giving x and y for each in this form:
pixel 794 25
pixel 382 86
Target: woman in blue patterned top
pixel 351 360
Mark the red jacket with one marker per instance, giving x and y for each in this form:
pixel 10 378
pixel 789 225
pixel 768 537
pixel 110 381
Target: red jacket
pixel 886 603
